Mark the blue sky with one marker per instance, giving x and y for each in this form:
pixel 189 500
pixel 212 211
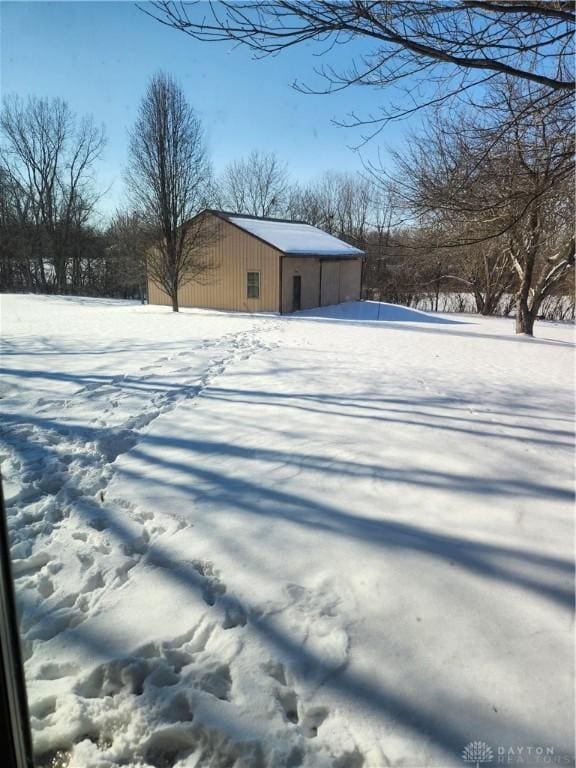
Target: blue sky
pixel 100 56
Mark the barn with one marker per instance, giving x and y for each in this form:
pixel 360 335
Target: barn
pixel 270 265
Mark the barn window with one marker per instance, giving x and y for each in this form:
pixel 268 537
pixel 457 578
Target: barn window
pixel 253 285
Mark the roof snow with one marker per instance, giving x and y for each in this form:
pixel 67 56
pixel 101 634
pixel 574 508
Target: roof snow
pixel 295 237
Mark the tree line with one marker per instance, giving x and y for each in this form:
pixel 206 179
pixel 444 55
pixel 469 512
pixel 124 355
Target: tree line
pixel 476 214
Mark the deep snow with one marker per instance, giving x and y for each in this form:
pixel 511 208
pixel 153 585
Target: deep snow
pixel 298 541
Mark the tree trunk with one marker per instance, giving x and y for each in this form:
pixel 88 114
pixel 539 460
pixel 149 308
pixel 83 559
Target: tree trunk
pixel 480 303
pixel 60 274
pixel 526 314
pixel 524 317
pixel 174 297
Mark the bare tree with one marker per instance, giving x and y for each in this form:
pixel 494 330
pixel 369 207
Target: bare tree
pixel 47 158
pixel 16 236
pixel 169 180
pixel 304 204
pixel 485 270
pixel 504 191
pixel 355 198
pixel 256 185
pixel 451 46
pixel 316 202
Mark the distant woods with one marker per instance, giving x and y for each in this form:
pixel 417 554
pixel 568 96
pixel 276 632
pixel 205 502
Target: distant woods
pixel 47 197
pixel 476 215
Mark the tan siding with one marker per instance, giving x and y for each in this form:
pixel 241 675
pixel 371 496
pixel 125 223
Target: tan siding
pixel 235 253
pixel 350 280
pixel 156 295
pixel 309 270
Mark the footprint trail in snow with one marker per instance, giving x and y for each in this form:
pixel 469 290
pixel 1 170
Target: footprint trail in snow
pixel 76 549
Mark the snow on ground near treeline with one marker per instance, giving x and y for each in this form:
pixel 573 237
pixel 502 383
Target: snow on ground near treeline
pixel 270 542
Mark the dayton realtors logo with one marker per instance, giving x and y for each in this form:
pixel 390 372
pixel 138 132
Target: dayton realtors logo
pixel 477 752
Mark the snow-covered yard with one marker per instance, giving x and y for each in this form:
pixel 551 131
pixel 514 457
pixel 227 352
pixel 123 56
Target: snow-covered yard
pixel 339 539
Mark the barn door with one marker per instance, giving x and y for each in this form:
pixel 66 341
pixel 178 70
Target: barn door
pixel 330 283
pixel 296 293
